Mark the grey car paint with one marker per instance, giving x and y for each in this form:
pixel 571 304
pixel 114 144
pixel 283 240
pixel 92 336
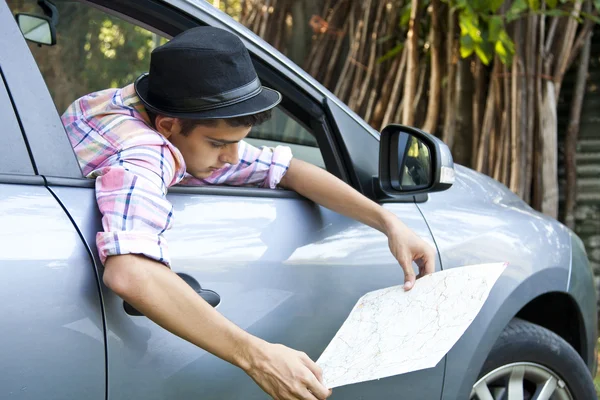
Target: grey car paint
pixel 286 270
pixel 477 220
pixel 52 341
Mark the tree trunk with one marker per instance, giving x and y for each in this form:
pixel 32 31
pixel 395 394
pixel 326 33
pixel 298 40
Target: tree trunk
pixel 395 90
pixel 537 185
pixel 371 67
pixel 451 60
pixel 581 40
pixel 435 83
pixel 478 103
pixel 562 58
pixel 515 111
pixel 488 126
pixel 334 56
pixel 299 41
pixel 548 122
pixel 462 143
pixel 419 96
pixel 412 45
pixel 573 132
pixel 530 68
pixel 382 104
pixel 362 40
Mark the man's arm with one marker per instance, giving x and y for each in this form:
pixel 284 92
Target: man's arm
pixel 131 194
pixel 166 299
pixel 325 189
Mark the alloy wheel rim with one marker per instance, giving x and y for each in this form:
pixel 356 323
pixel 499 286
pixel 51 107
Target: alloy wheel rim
pixel 521 381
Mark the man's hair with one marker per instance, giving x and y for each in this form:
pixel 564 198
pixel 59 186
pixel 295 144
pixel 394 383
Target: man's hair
pixel 187 125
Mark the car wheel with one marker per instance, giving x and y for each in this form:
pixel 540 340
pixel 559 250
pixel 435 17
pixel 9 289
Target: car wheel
pixel 531 362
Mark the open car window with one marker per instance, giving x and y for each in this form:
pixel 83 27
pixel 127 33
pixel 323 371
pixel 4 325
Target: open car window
pixel 95 50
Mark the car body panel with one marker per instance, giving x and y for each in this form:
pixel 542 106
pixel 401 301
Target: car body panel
pixel 478 220
pixel 286 270
pixel 583 291
pixel 52 326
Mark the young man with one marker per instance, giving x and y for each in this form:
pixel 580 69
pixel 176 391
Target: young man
pixel 185 122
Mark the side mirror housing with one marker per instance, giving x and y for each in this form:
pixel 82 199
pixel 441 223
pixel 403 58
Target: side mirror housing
pixel 37 29
pixel 412 162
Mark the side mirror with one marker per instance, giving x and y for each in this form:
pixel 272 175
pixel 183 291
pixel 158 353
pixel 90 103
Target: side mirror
pixel 37 29
pixel 411 162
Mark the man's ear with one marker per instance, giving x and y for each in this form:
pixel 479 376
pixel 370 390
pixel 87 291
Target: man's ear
pixel 167 125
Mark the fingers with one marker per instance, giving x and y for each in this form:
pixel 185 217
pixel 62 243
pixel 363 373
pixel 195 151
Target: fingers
pixel 315 382
pixel 316 388
pixel 426 264
pixel 313 367
pixel 429 264
pixel 409 275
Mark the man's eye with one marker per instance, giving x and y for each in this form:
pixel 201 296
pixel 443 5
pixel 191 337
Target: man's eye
pixel 218 145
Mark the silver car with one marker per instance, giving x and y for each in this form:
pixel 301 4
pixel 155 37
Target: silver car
pixel 274 263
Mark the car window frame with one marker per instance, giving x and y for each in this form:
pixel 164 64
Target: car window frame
pixel 49 147
pixel 166 20
pixel 13 140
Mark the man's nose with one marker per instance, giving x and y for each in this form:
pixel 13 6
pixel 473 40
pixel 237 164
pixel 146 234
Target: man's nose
pixel 230 155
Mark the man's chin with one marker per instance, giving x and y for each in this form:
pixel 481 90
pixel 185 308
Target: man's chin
pixel 204 174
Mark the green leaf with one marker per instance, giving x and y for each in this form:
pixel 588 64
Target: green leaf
pixel 494 5
pixel 534 4
pixel 593 17
pixel 502 52
pixel 556 13
pixel 507 41
pixel 384 39
pixel 515 11
pixel 479 6
pixel 484 52
pixel 551 3
pixel 467 46
pixel 495 25
pixel 469 25
pixel 405 16
pixel 597 5
pixel 505 48
pixel 391 53
pixel 460 4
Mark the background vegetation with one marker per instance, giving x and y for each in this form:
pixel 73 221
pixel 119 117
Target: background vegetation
pixel 484 75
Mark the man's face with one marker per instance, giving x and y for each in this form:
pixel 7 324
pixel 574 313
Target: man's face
pixel 205 149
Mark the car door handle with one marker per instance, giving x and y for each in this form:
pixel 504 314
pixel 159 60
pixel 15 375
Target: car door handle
pixel 210 296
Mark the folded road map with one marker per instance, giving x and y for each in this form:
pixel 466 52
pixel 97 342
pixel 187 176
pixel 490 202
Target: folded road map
pixel 391 332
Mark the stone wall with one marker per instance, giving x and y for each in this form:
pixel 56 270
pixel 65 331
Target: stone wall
pixel 587 219
pixel 587 209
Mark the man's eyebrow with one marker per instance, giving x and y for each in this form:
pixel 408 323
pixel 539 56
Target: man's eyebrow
pixel 222 140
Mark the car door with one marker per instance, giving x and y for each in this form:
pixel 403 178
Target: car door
pixel 52 340
pixel 283 268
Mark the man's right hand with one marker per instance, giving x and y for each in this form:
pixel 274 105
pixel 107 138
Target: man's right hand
pixel 284 373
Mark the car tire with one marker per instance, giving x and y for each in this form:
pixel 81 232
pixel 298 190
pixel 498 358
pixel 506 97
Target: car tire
pixel 529 356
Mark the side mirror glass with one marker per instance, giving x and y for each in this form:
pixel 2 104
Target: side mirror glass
pixel 412 161
pixel 37 29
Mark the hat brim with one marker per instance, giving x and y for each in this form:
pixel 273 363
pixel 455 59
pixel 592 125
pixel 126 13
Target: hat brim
pixel 265 100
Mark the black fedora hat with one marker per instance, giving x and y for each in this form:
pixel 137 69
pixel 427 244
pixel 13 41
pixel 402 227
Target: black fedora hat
pixel 204 73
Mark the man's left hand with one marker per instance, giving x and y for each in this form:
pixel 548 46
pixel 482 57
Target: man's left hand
pixel 407 247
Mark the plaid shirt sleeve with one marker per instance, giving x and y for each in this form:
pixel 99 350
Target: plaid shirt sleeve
pixel 131 193
pixel 264 167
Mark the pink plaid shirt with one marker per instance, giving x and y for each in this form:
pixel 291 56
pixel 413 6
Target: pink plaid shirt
pixel 134 166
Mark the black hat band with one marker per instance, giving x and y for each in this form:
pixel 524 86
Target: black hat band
pixel 230 97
